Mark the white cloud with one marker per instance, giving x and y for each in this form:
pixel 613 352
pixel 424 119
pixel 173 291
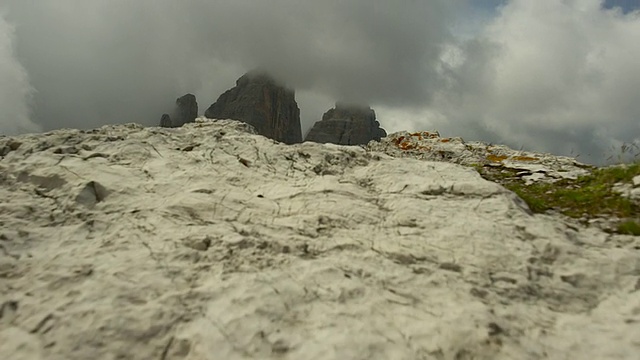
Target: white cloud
pixel 15 91
pixel 550 75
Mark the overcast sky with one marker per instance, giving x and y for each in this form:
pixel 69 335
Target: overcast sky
pixel 558 76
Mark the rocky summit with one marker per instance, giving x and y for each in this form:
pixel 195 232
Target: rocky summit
pixel 347 125
pixel 260 101
pixel 208 241
pixel 185 111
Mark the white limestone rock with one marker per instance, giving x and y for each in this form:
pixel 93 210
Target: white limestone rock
pixel 210 242
pixel 428 145
pixel 627 190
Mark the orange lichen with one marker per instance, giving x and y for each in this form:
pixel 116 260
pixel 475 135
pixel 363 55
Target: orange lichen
pixel 398 140
pixel 445 140
pixel 411 143
pixel 407 145
pixel 496 158
pixel 524 158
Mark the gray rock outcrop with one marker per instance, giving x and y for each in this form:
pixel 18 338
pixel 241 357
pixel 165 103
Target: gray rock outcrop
pixel 347 125
pixel 257 99
pixel 185 111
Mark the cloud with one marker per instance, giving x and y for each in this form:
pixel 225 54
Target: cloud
pixel 15 91
pixel 548 75
pixel 556 76
pixel 96 62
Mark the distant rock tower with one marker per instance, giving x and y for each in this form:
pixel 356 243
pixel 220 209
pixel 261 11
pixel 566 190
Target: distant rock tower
pixel 165 120
pixel 185 111
pixel 257 99
pixel 347 125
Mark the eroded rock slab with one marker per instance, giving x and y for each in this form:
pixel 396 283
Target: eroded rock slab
pixel 211 242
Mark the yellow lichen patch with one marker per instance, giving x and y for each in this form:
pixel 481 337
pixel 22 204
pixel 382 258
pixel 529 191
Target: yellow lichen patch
pixel 524 158
pixel 496 158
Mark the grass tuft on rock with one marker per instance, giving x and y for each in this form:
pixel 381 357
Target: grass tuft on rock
pixel 586 197
pixel 629 228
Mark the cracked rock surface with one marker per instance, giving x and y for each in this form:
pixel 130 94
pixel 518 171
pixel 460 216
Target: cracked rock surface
pixel 211 242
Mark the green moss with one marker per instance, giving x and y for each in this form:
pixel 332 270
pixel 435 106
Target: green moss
pixel 612 175
pixel 588 196
pixel 629 228
pixel 536 203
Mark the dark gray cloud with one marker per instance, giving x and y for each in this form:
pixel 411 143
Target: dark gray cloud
pixel 97 62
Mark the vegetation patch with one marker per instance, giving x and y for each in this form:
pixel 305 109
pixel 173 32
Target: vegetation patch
pixel 587 197
pixel 629 228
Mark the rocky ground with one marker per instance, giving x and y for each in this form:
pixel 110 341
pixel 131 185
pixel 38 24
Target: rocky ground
pixel 603 197
pixel 211 242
